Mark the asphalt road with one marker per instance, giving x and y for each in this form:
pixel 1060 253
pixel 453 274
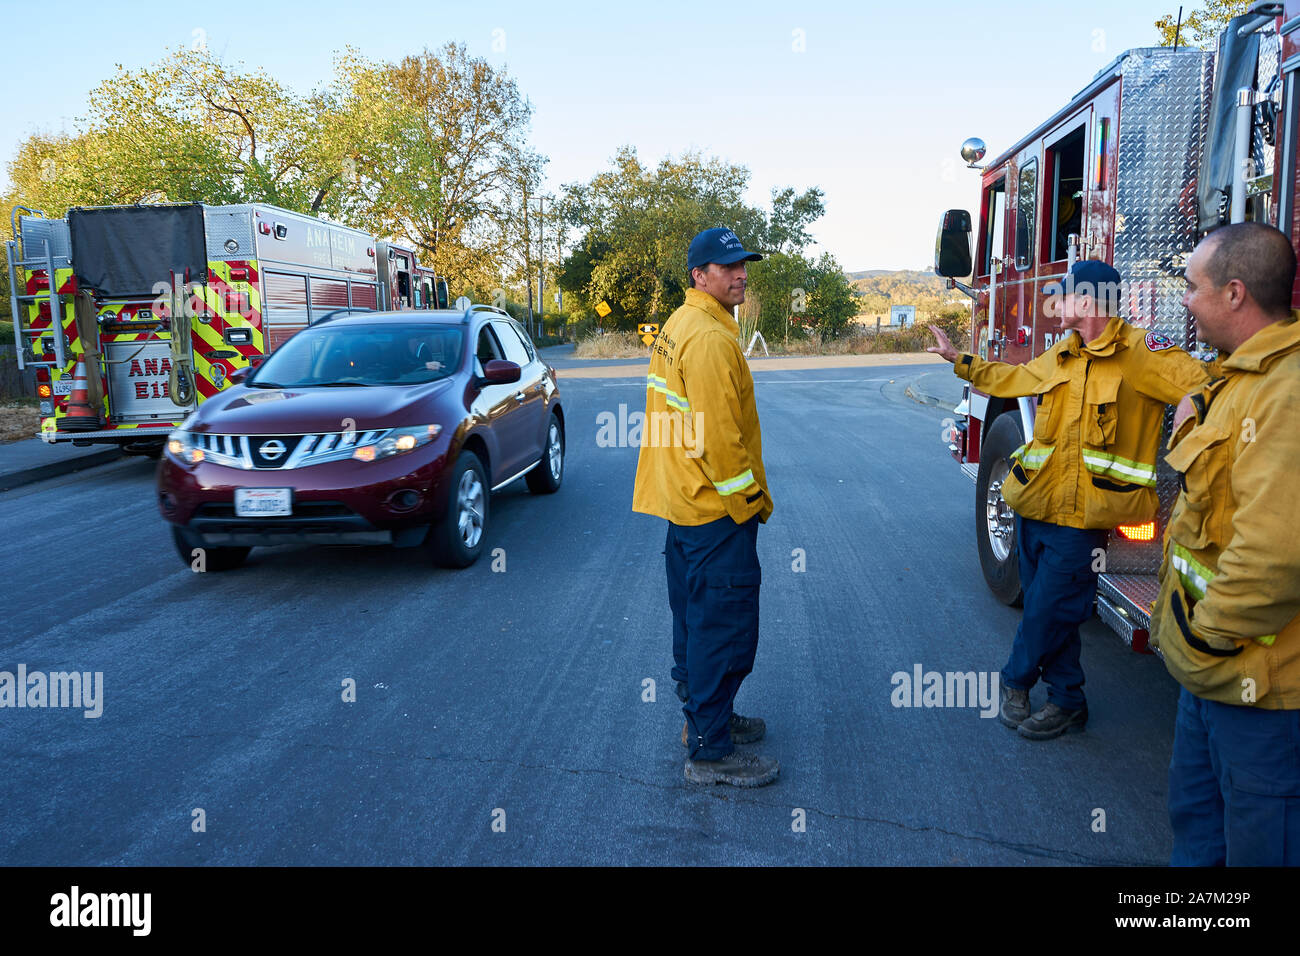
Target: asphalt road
pixel 517 696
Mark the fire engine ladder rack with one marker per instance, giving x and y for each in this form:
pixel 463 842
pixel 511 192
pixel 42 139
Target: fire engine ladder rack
pixel 21 332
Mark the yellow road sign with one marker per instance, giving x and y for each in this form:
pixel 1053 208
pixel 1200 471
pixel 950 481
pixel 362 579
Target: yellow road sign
pixel 648 339
pixel 648 328
pixel 603 309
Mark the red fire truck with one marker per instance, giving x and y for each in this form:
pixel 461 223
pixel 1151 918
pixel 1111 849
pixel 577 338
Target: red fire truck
pixel 1161 147
pixel 153 307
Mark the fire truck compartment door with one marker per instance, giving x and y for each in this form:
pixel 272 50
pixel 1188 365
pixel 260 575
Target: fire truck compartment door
pixel 126 251
pixel 137 383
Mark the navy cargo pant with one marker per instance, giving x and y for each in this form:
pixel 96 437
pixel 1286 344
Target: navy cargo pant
pixel 1234 785
pixel 713 582
pixel 1060 585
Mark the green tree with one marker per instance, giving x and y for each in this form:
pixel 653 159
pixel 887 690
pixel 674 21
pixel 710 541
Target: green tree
pixel 1201 27
pixel 431 150
pixel 832 301
pixel 636 222
pixel 438 146
pixel 792 214
pixel 779 287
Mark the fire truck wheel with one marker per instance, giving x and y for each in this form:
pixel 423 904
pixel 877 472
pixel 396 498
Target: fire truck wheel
pixel 457 540
pixel 995 529
pixel 199 557
pixel 149 449
pixel 546 477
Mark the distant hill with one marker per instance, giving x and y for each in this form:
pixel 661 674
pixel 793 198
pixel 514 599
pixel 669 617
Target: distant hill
pixel 866 274
pixel 882 288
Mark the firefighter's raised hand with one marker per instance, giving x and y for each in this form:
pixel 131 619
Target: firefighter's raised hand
pixel 1184 411
pixel 944 349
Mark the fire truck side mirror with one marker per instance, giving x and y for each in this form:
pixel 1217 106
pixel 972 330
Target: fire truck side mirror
pixel 441 286
pixel 952 246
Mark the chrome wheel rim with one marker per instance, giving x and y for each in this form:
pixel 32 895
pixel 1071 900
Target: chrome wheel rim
pixel 1001 520
pixel 554 451
pixel 469 504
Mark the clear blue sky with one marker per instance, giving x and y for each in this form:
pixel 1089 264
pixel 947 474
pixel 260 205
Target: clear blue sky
pixel 872 109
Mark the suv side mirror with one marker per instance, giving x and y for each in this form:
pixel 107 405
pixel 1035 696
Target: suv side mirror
pixel 500 372
pixel 952 246
pixel 238 375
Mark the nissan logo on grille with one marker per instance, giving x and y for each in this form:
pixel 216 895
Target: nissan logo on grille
pixel 271 450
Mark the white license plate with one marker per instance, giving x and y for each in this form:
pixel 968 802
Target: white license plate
pixel 63 386
pixel 263 502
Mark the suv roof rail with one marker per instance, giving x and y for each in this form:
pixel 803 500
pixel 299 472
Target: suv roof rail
pixel 337 312
pixel 479 307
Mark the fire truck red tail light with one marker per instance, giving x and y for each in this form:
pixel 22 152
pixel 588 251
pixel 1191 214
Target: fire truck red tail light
pixel 1022 336
pixel 1138 532
pixel 43 391
pixel 264 228
pixel 238 275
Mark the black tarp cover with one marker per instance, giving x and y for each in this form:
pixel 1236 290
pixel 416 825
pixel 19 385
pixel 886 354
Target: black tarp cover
pixel 125 250
pixel 1234 70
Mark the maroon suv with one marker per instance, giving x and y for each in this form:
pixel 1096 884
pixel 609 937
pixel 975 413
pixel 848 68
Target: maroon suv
pixel 366 428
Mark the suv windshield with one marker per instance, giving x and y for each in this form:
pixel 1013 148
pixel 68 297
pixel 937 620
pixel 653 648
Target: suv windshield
pixel 357 354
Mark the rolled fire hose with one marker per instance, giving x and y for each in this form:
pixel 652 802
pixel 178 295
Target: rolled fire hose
pixel 180 380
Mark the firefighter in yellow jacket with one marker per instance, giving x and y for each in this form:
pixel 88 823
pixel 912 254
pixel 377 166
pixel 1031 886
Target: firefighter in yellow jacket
pixel 1089 466
pixel 701 468
pixel 1228 615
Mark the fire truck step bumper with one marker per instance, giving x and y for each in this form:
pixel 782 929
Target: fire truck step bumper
pixel 1122 604
pixel 113 434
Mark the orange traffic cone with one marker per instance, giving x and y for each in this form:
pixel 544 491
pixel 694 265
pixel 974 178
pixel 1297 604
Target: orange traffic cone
pixel 81 417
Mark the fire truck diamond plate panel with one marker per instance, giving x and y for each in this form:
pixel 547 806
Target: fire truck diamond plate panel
pixel 1164 119
pixel 225 223
pixel 37 231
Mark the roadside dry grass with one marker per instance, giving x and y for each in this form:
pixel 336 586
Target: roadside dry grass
pixel 627 345
pixel 612 345
pixel 18 420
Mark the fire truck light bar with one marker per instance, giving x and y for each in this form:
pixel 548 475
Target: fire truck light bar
pixel 1138 532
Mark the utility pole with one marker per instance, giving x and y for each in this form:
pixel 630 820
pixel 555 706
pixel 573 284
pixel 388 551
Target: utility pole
pixel 541 262
pixel 527 257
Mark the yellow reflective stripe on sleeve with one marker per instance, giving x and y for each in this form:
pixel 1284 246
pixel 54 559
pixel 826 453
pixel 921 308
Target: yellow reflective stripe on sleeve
pixel 1196 579
pixel 1032 459
pixel 657 383
pixel 739 483
pixel 1102 463
pixel 1195 576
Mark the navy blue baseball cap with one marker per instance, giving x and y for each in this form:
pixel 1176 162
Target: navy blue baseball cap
pixel 719 245
pixel 1086 276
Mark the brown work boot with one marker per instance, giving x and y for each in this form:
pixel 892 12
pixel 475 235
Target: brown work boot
pixel 737 769
pixel 1052 721
pixel 1015 706
pixel 744 730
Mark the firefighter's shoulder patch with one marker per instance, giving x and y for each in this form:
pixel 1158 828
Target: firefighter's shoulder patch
pixel 1158 343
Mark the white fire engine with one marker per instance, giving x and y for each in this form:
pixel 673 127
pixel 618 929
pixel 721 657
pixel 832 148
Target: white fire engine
pixel 132 315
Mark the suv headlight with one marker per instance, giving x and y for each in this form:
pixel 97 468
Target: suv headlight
pixel 181 444
pixel 398 441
